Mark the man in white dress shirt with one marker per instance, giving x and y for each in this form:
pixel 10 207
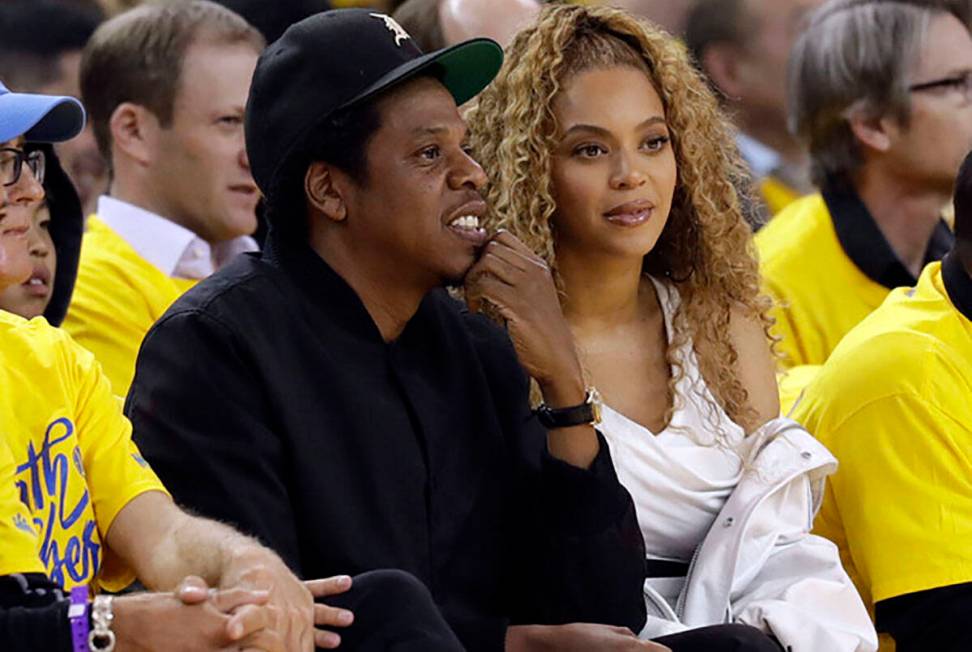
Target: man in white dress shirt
pixel 165 86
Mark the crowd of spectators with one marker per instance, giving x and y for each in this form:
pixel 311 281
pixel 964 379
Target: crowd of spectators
pixel 440 325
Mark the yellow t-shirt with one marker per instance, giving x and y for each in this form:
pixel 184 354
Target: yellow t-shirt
pixel 19 541
pixel 820 293
pixel 118 296
pixel 76 466
pixel 776 194
pixel 894 405
pixel 792 383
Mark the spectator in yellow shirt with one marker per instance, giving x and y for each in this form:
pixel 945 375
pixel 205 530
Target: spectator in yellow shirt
pixel 88 509
pixel 166 85
pixel 881 93
pixel 894 404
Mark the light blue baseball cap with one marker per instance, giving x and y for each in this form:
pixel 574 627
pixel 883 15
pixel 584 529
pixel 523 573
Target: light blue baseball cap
pixel 39 118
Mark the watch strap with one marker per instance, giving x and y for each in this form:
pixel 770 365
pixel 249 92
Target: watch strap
pixel 78 617
pixel 587 412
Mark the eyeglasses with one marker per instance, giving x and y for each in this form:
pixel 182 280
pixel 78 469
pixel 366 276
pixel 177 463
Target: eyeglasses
pixel 961 82
pixel 12 164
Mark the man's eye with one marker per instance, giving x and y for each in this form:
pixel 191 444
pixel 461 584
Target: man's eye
pixel 430 153
pixel 232 120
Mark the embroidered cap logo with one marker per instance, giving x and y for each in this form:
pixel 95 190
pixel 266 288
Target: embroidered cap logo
pixel 393 27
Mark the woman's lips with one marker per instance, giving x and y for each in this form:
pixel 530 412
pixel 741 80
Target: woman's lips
pixel 630 214
pixel 634 218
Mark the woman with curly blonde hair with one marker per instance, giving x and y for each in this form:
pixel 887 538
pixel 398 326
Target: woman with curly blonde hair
pixel 609 157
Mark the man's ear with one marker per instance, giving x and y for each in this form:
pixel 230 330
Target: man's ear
pixel 721 62
pixel 325 190
pixel 872 131
pixel 134 132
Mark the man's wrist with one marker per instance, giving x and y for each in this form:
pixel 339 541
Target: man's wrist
pixel 247 564
pixel 564 389
pixel 128 610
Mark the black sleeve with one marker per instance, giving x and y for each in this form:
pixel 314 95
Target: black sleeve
pixel 33 615
pixel 588 564
pixel 937 619
pixel 580 556
pixel 200 419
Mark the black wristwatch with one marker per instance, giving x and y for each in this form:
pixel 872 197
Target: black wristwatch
pixel 588 412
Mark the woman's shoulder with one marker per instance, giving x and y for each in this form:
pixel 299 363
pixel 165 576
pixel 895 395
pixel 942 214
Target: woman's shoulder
pixel 755 363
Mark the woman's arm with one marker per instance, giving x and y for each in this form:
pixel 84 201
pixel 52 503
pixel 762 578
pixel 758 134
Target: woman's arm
pixel 755 366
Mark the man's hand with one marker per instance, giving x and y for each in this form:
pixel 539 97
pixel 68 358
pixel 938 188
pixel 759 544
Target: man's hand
pixel 326 616
pixel 160 622
pixel 576 637
pixel 519 283
pixel 252 566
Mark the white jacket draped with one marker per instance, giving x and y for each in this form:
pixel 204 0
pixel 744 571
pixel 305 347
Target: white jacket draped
pixel 759 565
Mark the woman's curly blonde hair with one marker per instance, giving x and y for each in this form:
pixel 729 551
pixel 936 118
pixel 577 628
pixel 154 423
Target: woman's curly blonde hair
pixel 706 248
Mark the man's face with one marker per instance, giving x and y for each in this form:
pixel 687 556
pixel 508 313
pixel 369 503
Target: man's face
pixel 420 180
pixel 762 57
pixel 929 150
pixel 201 176
pixel 15 264
pixel 79 156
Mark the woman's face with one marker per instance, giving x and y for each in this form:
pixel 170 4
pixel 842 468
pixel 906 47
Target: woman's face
pixel 30 298
pixel 15 264
pixel 613 167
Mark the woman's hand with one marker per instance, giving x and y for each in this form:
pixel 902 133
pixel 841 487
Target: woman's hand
pixel 519 283
pixel 159 622
pixel 576 637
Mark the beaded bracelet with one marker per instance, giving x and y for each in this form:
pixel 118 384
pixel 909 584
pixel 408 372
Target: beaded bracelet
pixel 78 615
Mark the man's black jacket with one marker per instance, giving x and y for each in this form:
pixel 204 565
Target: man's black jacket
pixel 267 398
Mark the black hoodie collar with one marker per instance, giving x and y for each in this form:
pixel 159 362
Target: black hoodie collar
pixel 958 284
pixel 866 246
pixel 66 229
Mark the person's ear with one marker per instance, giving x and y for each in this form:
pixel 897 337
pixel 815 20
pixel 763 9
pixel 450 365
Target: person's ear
pixel 722 63
pixel 325 191
pixel 873 132
pixel 134 132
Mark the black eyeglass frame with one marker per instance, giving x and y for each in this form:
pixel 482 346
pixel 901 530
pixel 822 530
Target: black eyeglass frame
pixel 961 82
pixel 35 160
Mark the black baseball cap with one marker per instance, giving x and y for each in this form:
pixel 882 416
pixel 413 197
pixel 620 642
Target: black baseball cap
pixel 335 59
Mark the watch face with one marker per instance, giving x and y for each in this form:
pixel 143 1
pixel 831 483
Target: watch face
pixel 594 399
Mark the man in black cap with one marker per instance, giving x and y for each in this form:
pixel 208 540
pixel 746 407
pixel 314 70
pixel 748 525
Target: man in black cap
pixel 330 398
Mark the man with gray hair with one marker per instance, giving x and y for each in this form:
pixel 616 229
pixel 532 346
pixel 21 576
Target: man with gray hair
pixel 881 94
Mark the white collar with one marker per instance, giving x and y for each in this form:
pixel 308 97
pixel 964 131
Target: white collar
pixel 762 159
pixel 172 248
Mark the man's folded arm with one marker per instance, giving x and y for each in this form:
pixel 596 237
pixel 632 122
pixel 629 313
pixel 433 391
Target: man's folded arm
pixel 200 421
pixel 578 554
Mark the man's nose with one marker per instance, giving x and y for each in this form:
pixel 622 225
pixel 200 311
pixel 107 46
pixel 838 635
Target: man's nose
pixel 468 173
